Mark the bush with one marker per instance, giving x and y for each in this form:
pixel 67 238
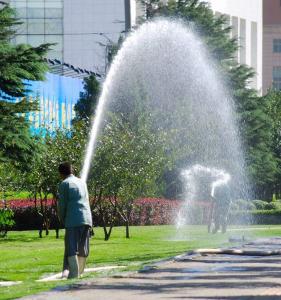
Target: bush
pixel 6 220
pixel 255 217
pixel 154 211
pixel 276 205
pixel 260 204
pixel 242 205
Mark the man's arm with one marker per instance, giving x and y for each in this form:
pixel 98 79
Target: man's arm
pixel 63 196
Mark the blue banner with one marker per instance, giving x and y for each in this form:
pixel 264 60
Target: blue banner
pixel 57 97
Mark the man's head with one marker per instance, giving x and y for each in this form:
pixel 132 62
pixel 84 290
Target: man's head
pixel 65 169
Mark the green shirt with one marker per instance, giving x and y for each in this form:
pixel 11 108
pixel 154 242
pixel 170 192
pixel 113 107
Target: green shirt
pixel 74 206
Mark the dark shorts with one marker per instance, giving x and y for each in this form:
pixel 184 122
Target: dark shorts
pixel 77 241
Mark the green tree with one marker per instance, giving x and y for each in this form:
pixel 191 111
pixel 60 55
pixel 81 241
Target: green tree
pixel 43 178
pixel 9 181
pixel 126 166
pixel 18 63
pixel 86 105
pixel 272 104
pixel 56 147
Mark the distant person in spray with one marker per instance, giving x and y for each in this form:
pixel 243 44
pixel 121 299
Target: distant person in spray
pixel 222 201
pixel 75 213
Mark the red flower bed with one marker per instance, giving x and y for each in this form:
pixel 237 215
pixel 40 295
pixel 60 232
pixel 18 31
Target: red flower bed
pixel 26 215
pixel 155 211
pixel 25 203
pixel 146 211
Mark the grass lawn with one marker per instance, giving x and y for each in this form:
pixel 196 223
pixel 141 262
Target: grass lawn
pixel 25 257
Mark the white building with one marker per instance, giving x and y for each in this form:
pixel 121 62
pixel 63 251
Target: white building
pixel 257 25
pixel 81 29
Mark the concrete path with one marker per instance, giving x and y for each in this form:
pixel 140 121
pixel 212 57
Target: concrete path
pixel 196 276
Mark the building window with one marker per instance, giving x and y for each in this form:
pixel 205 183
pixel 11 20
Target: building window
pixel 277 45
pixel 276 76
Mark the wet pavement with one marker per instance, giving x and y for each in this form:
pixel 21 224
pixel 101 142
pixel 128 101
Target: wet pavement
pixel 203 274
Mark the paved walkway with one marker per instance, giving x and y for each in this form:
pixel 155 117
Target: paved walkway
pixel 196 276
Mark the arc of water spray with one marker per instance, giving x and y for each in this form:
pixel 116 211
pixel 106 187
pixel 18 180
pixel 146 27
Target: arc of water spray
pixel 99 113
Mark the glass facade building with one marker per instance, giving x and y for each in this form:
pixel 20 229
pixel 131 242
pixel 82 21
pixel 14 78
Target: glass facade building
pixel 80 30
pixel 42 23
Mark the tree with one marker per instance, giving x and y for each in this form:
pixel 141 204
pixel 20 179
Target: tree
pixel 10 181
pixel 254 129
pixel 272 104
pixel 18 63
pixel 16 142
pixel 43 178
pixel 126 166
pixel 86 105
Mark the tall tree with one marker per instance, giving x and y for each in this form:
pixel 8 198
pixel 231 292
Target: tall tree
pixel 86 105
pixel 18 63
pixel 272 104
pixel 127 165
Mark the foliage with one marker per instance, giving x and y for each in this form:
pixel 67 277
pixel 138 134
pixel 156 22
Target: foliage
pixel 112 49
pixel 259 204
pixel 18 63
pixel 86 105
pixel 155 211
pixel 126 165
pixel 256 129
pixel 16 143
pixel 6 220
pixel 10 179
pixel 56 147
pixel 272 103
pixel 276 205
pixel 242 205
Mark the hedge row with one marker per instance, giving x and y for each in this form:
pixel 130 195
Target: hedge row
pixel 146 211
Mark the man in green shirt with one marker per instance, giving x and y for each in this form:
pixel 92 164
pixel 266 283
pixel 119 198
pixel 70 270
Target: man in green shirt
pixel 75 213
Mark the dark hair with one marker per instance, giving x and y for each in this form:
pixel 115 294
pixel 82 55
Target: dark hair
pixel 65 168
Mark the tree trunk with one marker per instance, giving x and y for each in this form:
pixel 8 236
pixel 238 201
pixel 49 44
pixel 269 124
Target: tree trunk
pixel 127 230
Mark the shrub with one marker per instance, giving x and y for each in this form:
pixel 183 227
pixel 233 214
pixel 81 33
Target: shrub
pixel 260 204
pixel 242 205
pixel 6 220
pixel 276 205
pixel 154 211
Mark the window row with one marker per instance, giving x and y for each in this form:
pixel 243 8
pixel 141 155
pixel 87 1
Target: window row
pixel 37 3
pixel 36 40
pixel 277 45
pixel 276 78
pixel 37 13
pixel 41 26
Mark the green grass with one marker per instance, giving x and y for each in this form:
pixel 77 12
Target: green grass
pixel 25 257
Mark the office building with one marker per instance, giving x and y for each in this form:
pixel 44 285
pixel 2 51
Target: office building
pixel 81 29
pixel 257 26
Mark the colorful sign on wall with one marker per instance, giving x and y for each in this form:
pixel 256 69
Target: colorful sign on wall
pixel 57 96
